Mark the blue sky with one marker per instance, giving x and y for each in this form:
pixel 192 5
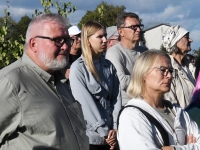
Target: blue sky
pixel 183 12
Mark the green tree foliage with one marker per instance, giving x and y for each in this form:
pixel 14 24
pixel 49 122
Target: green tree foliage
pixel 163 49
pixel 62 8
pixel 11 25
pixel 105 13
pixel 10 49
pixel 22 26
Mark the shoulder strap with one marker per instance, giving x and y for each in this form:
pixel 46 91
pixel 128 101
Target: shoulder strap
pixel 162 131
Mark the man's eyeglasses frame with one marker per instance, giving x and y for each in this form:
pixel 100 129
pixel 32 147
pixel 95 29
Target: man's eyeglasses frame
pixel 58 41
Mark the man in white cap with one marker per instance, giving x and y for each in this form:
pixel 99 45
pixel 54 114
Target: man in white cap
pixel 112 36
pixel 75 51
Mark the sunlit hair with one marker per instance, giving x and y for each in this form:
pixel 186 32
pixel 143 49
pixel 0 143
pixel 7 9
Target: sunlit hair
pixel 122 17
pixel 142 65
pixel 89 29
pixel 37 23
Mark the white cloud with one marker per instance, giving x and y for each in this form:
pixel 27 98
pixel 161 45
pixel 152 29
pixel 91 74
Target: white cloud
pixel 20 11
pixel 184 12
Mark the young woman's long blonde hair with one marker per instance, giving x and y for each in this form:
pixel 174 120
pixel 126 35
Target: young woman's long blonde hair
pixel 90 28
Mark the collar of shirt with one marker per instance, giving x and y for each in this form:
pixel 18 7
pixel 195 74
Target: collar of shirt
pixel 102 61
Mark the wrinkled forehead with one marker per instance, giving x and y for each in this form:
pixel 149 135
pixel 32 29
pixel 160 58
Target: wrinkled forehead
pixel 162 61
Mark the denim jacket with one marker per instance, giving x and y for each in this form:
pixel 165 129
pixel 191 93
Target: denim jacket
pixel 100 100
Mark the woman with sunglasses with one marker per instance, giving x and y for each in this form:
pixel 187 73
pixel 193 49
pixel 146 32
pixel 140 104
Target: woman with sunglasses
pixel 94 83
pixel 171 127
pixel 177 43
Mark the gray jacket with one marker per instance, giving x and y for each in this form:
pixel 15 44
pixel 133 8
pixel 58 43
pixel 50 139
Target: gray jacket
pixel 100 100
pixel 37 110
pixel 181 87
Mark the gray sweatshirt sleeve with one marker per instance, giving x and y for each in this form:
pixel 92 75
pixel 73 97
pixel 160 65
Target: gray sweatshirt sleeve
pixel 116 58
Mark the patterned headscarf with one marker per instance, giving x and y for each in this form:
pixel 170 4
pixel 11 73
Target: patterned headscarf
pixel 171 36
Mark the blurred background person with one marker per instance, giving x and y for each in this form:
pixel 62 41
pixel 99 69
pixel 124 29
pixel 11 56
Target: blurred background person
pixel 191 58
pixel 177 42
pixel 112 36
pixel 75 50
pixel 194 107
pixel 150 80
pixel 94 83
pixel 192 63
pixel 197 67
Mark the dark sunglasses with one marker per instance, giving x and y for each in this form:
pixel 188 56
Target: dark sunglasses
pixel 134 27
pixel 58 41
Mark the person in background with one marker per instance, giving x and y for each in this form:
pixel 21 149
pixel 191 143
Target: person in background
pixel 150 80
pixel 177 42
pixel 191 58
pixel 193 108
pixel 94 83
pixel 112 36
pixel 197 67
pixel 75 51
pixel 37 110
pixel 124 53
pixel 192 63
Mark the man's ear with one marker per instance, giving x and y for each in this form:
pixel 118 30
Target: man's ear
pixel 120 31
pixel 33 45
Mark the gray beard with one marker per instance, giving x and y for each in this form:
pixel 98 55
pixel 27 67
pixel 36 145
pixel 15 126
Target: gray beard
pixel 53 64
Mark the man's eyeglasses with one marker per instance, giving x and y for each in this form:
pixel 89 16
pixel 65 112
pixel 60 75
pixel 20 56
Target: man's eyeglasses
pixel 165 70
pixel 134 27
pixel 58 41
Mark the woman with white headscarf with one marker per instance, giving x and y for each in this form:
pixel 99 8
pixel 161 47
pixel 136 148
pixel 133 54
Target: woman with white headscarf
pixel 177 42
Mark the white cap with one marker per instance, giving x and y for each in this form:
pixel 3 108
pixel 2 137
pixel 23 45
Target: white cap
pixel 74 30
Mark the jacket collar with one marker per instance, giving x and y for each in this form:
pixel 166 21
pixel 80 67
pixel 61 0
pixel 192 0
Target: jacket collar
pixel 101 60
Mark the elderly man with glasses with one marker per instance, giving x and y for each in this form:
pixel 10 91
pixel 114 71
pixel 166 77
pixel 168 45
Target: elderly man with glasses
pixel 37 109
pixel 124 53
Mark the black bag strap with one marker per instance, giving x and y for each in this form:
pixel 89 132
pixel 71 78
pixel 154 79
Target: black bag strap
pixel 162 131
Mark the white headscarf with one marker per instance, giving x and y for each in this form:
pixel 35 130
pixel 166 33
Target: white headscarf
pixel 172 35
